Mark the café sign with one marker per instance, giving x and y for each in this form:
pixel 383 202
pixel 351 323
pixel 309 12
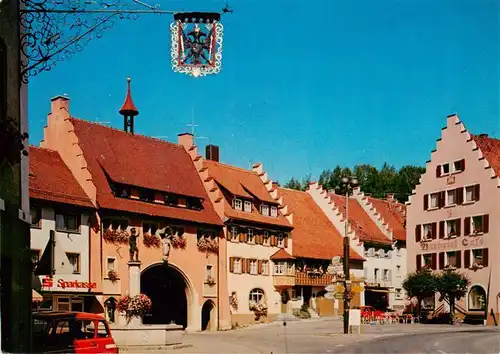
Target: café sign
pixel 442 245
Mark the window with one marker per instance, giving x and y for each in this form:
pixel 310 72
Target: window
pixel 149 227
pixel 469 194
pixel 264 210
pixel 234 233
pixel 434 200
pixel 279 268
pixel 274 211
pixel 445 169
pixel 147 195
pixel 451 259
pixel 248 206
pixel 375 274
pixel 171 200
pixel 194 204
pixel 281 241
pixel 36 216
pixel 110 263
pixel 477 224
pixel 250 235
pixel 67 222
pixel 115 224
pixel 399 293
pixel 237 204
pixel 256 296
pixel 123 191
pixel 237 265
pixel 478 257
pixel 452 228
pixel 266 238
pixel 386 275
pixel 457 166
pixel 398 271
pixel 102 330
pixel 63 304
pixel 253 266
pixel 477 298
pixel 427 232
pixel 451 197
pixel 74 260
pixel 265 267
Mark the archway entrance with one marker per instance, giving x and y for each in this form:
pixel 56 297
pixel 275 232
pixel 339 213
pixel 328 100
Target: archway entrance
pixel 477 298
pixel 208 316
pixel 166 288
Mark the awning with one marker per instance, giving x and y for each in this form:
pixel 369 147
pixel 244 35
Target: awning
pixel 35 296
pixel 378 290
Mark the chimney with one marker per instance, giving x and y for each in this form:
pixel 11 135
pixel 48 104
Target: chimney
pixel 390 196
pixel 60 102
pixel 212 153
pixel 186 140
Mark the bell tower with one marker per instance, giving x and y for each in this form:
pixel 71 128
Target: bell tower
pixel 128 111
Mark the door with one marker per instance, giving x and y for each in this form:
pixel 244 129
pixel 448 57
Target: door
pixel 84 332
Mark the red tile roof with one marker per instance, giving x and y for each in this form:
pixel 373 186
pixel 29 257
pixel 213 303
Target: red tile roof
pixel 239 182
pixel 366 229
pixel 248 185
pixel 491 151
pixel 51 180
pixel 393 213
pixel 140 161
pixel 281 254
pixel 314 236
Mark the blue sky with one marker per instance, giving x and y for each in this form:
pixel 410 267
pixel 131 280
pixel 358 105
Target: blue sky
pixel 305 85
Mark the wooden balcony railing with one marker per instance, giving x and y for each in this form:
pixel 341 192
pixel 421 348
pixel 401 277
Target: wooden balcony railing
pixel 313 279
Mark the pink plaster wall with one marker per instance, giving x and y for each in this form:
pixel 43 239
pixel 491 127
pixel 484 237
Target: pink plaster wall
pixel 454 145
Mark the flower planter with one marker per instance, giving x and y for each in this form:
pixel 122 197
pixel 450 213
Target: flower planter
pixel 116 236
pixel 208 245
pixel 113 275
pixel 151 241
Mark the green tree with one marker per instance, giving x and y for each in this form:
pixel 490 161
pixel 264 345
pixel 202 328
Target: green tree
pixel 305 182
pixel 407 178
pixel 452 286
pixel 420 284
pixel 293 184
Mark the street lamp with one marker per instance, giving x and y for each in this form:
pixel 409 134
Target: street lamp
pixel 347 185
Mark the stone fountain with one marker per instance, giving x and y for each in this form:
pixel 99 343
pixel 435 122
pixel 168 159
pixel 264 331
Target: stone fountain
pixel 132 332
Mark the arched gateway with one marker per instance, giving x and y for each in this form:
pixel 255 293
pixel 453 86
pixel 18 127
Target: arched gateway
pixel 169 292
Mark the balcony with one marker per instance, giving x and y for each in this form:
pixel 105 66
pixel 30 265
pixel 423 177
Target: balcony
pixel 313 279
pixel 284 278
pixel 378 283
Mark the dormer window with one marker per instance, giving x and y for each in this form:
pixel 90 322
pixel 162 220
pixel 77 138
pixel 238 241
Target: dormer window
pixel 237 204
pixel 194 203
pixel 147 195
pixel 248 206
pixel 274 211
pixel 264 210
pixel 171 200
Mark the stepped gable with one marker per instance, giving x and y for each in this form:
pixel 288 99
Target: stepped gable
pixel 487 149
pixel 393 215
pixel 51 180
pixel 490 148
pixel 246 184
pixel 140 161
pixel 364 227
pixel 314 236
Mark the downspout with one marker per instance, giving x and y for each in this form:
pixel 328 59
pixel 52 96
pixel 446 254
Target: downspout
pixel 218 286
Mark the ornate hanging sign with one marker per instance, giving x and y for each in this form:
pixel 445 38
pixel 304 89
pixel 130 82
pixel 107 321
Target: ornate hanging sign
pixel 197 43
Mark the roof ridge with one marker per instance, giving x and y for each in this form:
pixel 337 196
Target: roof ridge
pixel 121 131
pixel 293 190
pixel 231 166
pixel 42 148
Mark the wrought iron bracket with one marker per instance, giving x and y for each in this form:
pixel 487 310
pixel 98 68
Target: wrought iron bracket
pixel 54 30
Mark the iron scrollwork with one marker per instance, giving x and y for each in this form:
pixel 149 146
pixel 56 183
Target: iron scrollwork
pixel 55 30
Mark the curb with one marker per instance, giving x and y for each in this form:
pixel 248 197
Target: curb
pixel 146 348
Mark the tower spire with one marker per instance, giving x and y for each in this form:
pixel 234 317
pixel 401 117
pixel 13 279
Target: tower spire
pixel 128 111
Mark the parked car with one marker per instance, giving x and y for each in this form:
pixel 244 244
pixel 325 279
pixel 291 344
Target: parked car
pixel 71 332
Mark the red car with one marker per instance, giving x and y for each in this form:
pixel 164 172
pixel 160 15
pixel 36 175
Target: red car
pixel 71 332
